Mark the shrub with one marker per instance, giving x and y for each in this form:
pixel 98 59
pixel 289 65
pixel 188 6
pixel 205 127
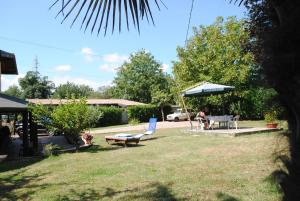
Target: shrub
pixel 110 116
pixel 134 121
pixel 143 112
pixel 73 117
pixel 51 149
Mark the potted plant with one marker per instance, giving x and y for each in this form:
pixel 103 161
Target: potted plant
pixel 87 138
pixel 271 119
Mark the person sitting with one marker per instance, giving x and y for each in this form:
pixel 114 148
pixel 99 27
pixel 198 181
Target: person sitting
pixel 201 117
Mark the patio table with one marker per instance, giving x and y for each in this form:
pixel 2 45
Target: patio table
pixel 223 120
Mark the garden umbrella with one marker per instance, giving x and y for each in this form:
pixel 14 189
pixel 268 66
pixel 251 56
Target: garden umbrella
pixel 206 88
pixel 8 64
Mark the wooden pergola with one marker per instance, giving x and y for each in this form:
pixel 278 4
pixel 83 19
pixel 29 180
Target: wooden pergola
pixel 11 105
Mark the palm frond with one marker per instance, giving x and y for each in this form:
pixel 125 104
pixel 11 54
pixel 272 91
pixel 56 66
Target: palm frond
pixel 104 13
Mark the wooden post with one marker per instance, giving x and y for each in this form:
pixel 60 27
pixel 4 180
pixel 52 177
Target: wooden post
pixel 25 133
pixel 33 133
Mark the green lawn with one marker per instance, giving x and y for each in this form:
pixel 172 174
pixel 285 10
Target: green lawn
pixel 173 166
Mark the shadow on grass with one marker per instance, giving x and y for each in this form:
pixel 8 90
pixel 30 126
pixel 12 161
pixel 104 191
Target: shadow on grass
pixel 18 163
pixel 153 138
pixel 153 191
pixel 12 182
pixel 88 194
pixel 225 197
pixel 97 148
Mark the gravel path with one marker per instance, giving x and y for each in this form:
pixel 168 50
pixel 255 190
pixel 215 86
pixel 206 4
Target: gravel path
pixel 141 127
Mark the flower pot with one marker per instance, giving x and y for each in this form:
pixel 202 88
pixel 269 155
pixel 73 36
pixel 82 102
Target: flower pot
pixel 272 125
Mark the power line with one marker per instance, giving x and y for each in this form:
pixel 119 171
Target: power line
pixel 188 28
pixel 36 44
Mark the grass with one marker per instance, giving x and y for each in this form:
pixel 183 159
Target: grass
pixel 172 166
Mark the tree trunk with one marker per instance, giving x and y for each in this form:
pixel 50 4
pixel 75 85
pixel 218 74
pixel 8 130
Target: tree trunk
pixel 162 113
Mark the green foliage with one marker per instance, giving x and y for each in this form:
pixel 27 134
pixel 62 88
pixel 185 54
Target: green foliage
pixel 215 53
pixel 71 118
pixel 33 85
pixel 142 112
pixel 134 122
pixel 51 149
pixel 110 116
pixel 14 91
pixel 271 116
pixel 218 53
pixel 162 96
pixel 138 76
pixel 70 90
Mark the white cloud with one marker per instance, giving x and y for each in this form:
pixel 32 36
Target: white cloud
pixel 10 80
pixel 115 58
pixel 109 67
pixel 88 54
pixel 63 68
pixel 165 67
pixel 77 80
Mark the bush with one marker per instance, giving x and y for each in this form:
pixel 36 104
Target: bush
pixel 110 116
pixel 143 112
pixel 51 149
pixel 133 122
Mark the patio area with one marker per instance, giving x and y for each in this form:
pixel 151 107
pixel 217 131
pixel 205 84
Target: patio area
pixel 233 132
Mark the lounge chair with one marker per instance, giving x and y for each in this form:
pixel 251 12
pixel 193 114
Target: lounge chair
pixel 152 127
pixel 127 138
pixel 124 138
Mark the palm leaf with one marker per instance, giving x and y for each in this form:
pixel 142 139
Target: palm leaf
pixel 94 11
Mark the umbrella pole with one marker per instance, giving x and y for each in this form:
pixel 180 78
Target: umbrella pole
pixel 188 114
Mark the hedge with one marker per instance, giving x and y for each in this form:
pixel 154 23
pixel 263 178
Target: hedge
pixel 143 112
pixel 111 116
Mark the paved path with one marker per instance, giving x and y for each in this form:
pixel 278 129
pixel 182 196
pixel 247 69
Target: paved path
pixel 142 127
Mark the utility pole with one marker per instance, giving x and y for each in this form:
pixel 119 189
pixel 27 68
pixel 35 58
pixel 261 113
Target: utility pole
pixel 36 65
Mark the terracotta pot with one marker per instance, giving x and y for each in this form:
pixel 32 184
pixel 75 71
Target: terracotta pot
pixel 272 125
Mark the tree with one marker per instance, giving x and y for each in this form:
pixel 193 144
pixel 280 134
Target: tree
pixel 104 92
pixel 274 25
pixel 69 90
pixel 162 96
pixel 136 78
pixel 33 85
pixel 14 91
pixel 217 54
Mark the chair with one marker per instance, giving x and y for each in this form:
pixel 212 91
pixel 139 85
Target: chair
pixel 152 127
pixel 234 122
pixel 124 138
pixel 129 138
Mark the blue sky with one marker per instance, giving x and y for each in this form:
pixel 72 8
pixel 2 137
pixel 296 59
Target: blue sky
pixel 29 30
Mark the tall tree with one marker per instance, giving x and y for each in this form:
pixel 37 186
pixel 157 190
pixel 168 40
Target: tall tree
pixel 217 53
pixel 70 90
pixel 14 91
pixel 162 95
pixel 274 25
pixel 33 85
pixel 136 78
